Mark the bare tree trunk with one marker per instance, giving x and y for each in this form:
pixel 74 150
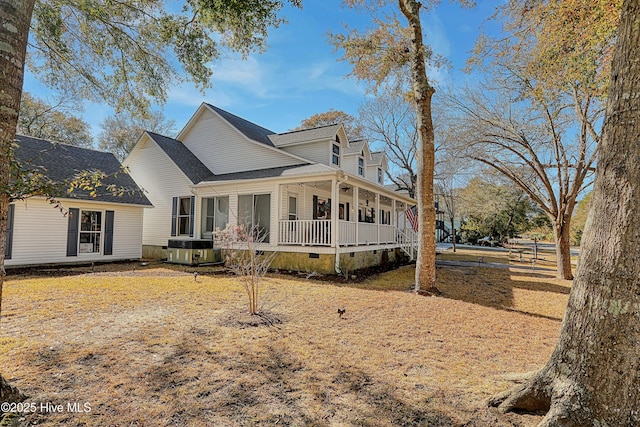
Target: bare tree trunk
pixel 453 234
pixel 15 16
pixel 593 375
pixel 563 249
pixel 425 280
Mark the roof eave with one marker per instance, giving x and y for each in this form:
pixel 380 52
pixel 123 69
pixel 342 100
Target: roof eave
pixel 316 175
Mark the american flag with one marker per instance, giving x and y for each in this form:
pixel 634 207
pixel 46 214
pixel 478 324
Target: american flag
pixel 412 216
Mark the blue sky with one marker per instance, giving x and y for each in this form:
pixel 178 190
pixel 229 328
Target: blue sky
pixel 300 74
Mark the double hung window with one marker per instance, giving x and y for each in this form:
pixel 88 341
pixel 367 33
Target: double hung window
pixel 184 216
pixel 335 154
pixel 90 231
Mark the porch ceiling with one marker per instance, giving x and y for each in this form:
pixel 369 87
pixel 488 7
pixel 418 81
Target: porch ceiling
pixel 386 196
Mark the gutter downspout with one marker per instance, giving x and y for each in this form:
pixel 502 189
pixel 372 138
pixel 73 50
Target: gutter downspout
pixel 335 194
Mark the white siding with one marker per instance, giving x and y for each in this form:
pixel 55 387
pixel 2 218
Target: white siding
pixel 319 152
pixel 372 174
pixel 162 180
pixel 350 164
pixel 223 149
pixel 40 233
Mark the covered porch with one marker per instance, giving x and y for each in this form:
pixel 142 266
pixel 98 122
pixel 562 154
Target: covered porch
pixel 326 213
pixel 364 215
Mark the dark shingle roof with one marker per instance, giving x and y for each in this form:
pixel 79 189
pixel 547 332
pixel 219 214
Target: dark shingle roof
pixel 61 162
pixel 250 130
pixel 188 163
pixel 304 135
pixel 295 170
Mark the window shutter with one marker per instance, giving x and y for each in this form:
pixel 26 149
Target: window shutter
pixel 9 241
pixel 72 232
pixel 108 232
pixel 174 216
pixel 348 211
pixel 315 207
pixel 192 216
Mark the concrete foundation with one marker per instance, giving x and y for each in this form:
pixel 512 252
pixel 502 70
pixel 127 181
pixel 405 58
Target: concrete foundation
pixel 310 262
pixel 325 263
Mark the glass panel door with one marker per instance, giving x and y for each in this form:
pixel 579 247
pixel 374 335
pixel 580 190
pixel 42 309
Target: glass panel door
pixel 262 217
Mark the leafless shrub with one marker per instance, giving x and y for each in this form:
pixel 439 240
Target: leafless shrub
pixel 243 259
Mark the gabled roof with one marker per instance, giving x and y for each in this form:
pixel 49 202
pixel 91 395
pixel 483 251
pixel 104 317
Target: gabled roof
pixel 305 135
pixel 378 157
pixel 183 158
pixel 249 129
pixel 355 147
pixel 273 172
pixel 61 162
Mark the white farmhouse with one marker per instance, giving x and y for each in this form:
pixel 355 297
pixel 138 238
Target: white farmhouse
pixel 318 198
pixel 86 228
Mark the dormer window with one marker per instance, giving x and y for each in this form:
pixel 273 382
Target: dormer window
pixel 380 176
pixel 361 166
pixel 335 155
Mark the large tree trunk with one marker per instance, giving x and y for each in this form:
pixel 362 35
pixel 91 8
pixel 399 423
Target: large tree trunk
pixel 15 16
pixel 593 375
pixel 9 393
pixel 425 155
pixel 561 230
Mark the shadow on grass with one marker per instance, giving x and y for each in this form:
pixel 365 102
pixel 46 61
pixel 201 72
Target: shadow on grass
pixel 271 385
pixel 377 403
pixel 539 292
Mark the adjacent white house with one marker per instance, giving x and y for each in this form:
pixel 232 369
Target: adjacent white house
pixel 318 198
pixel 90 228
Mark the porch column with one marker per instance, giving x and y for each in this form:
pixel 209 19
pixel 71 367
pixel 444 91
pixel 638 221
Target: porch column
pixel 334 212
pixel 394 220
pixel 378 216
pixel 275 219
pixel 356 203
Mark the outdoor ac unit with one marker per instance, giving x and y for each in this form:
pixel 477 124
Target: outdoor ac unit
pixel 192 252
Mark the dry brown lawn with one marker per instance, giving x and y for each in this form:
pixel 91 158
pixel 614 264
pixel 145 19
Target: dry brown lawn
pixel 155 347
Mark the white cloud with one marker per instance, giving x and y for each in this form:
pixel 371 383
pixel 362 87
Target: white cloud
pixel 249 74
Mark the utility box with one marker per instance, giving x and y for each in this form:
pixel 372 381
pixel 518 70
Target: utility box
pixel 192 252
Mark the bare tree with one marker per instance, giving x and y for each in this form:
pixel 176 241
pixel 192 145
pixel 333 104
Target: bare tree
pixel 537 120
pixel 121 132
pixel 53 121
pixel 389 123
pixel 545 144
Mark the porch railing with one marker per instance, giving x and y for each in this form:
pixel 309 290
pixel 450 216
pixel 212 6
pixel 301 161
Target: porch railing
pixel 367 233
pixel 408 242
pixel 314 232
pixel 318 233
pixel 387 233
pixel 347 233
